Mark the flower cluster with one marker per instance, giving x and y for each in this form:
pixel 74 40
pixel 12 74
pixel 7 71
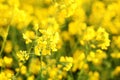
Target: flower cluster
pixel 59 39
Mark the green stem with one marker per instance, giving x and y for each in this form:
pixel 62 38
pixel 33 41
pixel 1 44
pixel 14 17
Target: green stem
pixel 86 51
pixel 4 41
pixel 3 45
pixel 17 74
pixel 39 76
pixel 41 66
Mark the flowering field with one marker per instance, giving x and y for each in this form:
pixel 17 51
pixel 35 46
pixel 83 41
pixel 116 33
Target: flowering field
pixel 59 39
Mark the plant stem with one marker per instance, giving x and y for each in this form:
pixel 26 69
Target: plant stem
pixel 41 66
pixel 4 41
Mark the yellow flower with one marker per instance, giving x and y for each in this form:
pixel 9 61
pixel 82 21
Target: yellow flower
pixel 53 73
pixel 37 51
pixel 79 14
pixel 8 47
pixel 8 61
pixel 6 74
pixel 102 35
pixel 14 3
pixel 96 57
pixel 76 28
pixel 47 42
pixel 28 36
pixel 48 2
pixel 31 77
pixel 27 8
pixel 98 11
pixel 3 76
pixel 1 62
pixel 35 65
pixel 22 55
pixel 20 19
pixel 89 34
pixel 46 52
pixel 23 69
pixel 94 75
pixel 68 62
pixel 61 16
pixel 115 55
pixel 116 70
pixel 78 60
pixel 116 41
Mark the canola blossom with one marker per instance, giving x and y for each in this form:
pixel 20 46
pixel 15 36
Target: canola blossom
pixel 59 39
